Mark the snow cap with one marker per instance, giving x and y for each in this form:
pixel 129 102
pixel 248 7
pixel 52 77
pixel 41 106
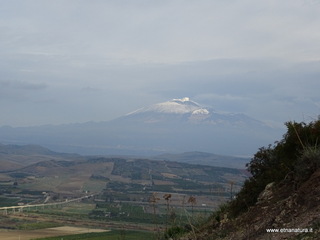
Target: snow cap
pixel 185 99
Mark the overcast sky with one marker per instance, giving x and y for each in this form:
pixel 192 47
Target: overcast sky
pixel 65 61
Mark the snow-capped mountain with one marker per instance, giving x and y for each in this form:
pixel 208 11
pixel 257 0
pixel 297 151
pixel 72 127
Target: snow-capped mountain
pixel 175 106
pixel 174 126
pixel 186 110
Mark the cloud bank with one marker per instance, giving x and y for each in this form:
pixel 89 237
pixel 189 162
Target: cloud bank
pixel 76 61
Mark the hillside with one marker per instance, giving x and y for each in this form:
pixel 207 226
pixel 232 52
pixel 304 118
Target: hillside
pixel 282 198
pixel 25 150
pixel 17 156
pixel 35 168
pixel 281 212
pixel 76 176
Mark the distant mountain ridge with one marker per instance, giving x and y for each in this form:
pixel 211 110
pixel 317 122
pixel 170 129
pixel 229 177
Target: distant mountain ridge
pixel 24 149
pixel 179 125
pixel 22 155
pixel 209 159
pixel 17 156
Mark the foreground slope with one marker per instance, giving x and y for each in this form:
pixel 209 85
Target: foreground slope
pixel 281 212
pixel 281 200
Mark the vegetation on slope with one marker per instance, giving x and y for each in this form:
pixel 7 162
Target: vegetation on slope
pixel 293 159
pixel 283 191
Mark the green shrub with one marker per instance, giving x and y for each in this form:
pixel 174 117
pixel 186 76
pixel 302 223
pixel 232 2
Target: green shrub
pixel 175 232
pixel 307 163
pixel 292 159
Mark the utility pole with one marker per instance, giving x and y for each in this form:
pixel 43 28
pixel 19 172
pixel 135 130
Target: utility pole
pixel 231 188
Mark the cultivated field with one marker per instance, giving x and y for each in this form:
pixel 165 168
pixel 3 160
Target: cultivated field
pixel 47 232
pixel 131 197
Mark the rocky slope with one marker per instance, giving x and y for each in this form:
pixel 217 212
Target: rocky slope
pixel 283 211
pixel 281 199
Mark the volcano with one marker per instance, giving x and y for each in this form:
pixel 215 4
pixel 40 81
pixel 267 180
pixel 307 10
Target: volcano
pixel 178 125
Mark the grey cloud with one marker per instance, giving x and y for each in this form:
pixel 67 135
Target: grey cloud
pixel 96 92
pixel 107 58
pixel 90 89
pixel 23 85
pixel 169 31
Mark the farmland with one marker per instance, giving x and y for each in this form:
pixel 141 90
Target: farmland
pixel 122 195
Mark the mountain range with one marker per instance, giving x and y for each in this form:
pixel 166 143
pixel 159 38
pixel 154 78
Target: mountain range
pixel 178 125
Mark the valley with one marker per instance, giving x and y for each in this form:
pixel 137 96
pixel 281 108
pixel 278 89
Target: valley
pixel 111 193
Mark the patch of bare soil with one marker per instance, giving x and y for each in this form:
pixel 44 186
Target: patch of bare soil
pixel 47 232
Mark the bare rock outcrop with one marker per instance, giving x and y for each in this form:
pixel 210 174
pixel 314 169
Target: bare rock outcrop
pixel 281 212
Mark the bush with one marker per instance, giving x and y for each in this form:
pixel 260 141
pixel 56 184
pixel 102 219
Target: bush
pixel 295 157
pixel 307 163
pixel 175 232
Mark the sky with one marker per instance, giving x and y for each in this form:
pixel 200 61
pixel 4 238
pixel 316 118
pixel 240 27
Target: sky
pixel 78 60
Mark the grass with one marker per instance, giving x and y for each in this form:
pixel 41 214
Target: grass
pixel 37 225
pixel 77 210
pixel 6 202
pixel 94 185
pixel 112 235
pixel 121 212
